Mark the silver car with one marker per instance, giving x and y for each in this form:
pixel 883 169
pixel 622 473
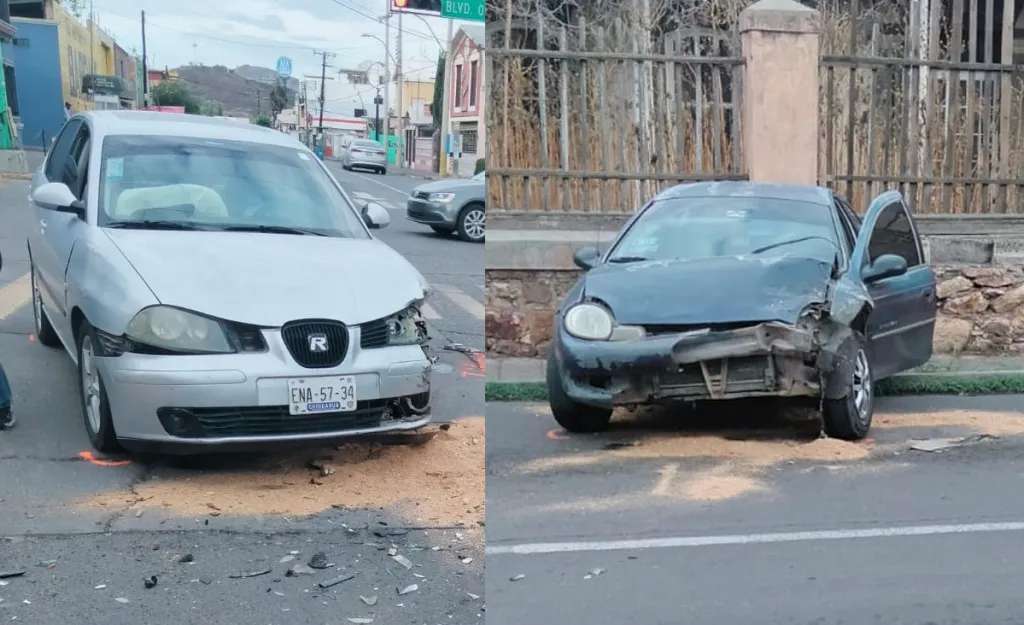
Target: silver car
pixel 365 153
pixel 452 205
pixel 216 286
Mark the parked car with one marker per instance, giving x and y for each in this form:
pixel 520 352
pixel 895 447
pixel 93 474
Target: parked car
pixel 732 289
pixel 216 286
pixel 452 205
pixel 6 413
pixel 365 153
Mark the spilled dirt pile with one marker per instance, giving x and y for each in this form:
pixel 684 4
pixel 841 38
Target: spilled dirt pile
pixel 436 480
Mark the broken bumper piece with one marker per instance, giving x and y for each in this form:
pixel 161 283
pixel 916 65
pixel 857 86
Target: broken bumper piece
pixel 768 359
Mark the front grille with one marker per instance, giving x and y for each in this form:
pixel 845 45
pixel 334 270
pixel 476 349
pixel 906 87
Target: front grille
pixel 374 334
pixel 665 328
pixel 423 195
pixel 266 420
pixel 304 337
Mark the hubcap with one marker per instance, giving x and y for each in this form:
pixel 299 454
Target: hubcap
pixel 90 385
pixel 475 223
pixel 861 383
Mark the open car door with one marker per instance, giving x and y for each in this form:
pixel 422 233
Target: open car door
pixel 888 260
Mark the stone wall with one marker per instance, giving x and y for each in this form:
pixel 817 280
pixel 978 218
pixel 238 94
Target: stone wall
pixel 981 309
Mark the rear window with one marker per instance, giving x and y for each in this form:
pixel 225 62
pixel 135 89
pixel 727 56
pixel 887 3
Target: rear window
pixel 368 144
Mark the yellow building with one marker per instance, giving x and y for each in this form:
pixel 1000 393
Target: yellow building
pixel 417 95
pixel 84 49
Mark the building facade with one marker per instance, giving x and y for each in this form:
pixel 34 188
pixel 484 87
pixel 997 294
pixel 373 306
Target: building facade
pixel 40 98
pixel 466 101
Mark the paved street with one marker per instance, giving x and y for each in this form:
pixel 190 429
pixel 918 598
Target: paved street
pixel 743 515
pixel 87 530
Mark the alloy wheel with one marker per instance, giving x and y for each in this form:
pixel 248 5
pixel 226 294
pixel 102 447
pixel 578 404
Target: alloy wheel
pixel 862 383
pixel 90 385
pixel 475 223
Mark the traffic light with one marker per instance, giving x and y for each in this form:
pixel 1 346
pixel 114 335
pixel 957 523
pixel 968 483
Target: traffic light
pixel 418 6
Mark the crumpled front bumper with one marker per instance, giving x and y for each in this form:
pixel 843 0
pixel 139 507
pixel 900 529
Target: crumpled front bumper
pixel 767 359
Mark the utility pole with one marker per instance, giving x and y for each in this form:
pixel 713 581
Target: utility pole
pixel 259 103
pixel 376 122
pixel 92 29
pixel 323 79
pixel 387 63
pixel 445 120
pixel 398 78
pixel 145 71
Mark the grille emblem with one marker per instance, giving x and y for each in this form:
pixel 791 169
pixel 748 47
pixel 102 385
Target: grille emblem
pixel 318 343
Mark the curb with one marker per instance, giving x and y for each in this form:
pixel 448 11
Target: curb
pixel 960 383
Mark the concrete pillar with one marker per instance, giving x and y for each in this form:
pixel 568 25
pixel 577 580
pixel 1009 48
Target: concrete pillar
pixel 780 91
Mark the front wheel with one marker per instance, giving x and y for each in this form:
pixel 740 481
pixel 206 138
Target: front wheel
pixel 850 416
pixel 99 424
pixel 570 414
pixel 383 171
pixel 472 223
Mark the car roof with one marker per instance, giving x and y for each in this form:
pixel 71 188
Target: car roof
pixel 120 122
pixel 742 188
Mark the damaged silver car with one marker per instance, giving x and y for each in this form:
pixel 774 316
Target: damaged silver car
pixel 726 290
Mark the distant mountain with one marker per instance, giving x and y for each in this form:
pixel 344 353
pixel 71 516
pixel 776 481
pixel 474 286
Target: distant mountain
pixel 264 74
pixel 235 92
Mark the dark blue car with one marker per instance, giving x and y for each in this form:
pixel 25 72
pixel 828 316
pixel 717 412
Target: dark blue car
pixel 734 289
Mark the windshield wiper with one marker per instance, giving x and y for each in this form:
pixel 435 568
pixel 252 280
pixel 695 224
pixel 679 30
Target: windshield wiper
pixel 155 224
pixel 627 259
pixel 791 241
pixel 273 230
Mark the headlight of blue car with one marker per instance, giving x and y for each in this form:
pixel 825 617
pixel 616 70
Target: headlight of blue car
pixel 593 322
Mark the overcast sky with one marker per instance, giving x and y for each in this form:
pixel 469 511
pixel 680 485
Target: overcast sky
pixel 257 32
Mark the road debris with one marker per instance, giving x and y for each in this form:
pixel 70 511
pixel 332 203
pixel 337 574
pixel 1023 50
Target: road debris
pixel 467 560
pixel 122 600
pixel 249 574
pixel 321 465
pixel 9 574
pixel 935 445
pixel 371 600
pixel 99 586
pixel 319 561
pixel 149 582
pixel 299 569
pixel 359 619
pixel 399 558
pixel 593 573
pixel 408 589
pixel 517 577
pixel 473 596
pixel 334 581
pixel 287 558
pixel 186 558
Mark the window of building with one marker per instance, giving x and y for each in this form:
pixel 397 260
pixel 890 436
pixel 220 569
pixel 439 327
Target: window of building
pixel 12 89
pixel 473 83
pixel 469 141
pixel 458 86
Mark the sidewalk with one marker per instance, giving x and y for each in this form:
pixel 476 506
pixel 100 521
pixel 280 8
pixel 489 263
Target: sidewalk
pixel 942 374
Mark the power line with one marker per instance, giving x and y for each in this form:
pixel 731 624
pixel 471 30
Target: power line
pixel 414 33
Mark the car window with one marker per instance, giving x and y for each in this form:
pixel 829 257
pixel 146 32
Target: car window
pixel 61 148
pixel 76 164
pixel 847 226
pixel 368 144
pixel 703 227
pixel 216 184
pixel 893 234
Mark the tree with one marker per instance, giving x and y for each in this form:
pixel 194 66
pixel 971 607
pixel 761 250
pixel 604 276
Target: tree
pixel 278 100
pixel 437 106
pixel 174 93
pixel 263 120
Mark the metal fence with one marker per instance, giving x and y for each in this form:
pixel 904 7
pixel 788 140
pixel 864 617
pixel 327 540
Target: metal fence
pixel 929 103
pixel 596 118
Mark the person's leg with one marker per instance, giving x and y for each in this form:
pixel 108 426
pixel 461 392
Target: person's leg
pixel 6 411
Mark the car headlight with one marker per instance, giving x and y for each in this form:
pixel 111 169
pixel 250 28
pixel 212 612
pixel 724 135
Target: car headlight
pixel 177 330
pixel 406 327
pixel 441 197
pixel 589 321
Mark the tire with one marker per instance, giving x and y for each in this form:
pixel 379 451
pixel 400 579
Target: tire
pixel 570 414
pixel 471 224
pixel 441 229
pixel 44 329
pixel 850 417
pixel 383 171
pixel 99 424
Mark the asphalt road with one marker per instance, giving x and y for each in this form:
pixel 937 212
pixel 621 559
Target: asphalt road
pixel 742 515
pixel 74 522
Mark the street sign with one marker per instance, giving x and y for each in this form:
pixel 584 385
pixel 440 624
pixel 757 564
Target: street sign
pixel 284 66
pixel 475 10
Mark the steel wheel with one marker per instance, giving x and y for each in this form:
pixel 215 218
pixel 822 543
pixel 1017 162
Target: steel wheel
pixel 862 383
pixel 91 399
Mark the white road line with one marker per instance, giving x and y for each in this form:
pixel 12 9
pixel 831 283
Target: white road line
pixel 752 539
pixel 15 295
pixel 362 195
pixel 462 300
pixel 667 476
pixel 383 184
pixel 429 313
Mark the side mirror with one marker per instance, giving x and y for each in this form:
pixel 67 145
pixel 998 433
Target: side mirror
pixel 885 266
pixel 58 197
pixel 586 257
pixel 375 215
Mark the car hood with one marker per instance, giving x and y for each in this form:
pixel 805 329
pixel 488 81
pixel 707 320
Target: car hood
pixel 449 184
pixel 270 279
pixel 709 290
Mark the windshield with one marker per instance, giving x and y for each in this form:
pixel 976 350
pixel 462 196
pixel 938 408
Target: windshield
pixel 704 227
pixel 207 184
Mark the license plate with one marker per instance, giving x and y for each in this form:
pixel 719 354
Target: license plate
pixel 316 395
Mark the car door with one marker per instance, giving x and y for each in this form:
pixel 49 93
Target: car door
pixel 58 231
pixel 901 324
